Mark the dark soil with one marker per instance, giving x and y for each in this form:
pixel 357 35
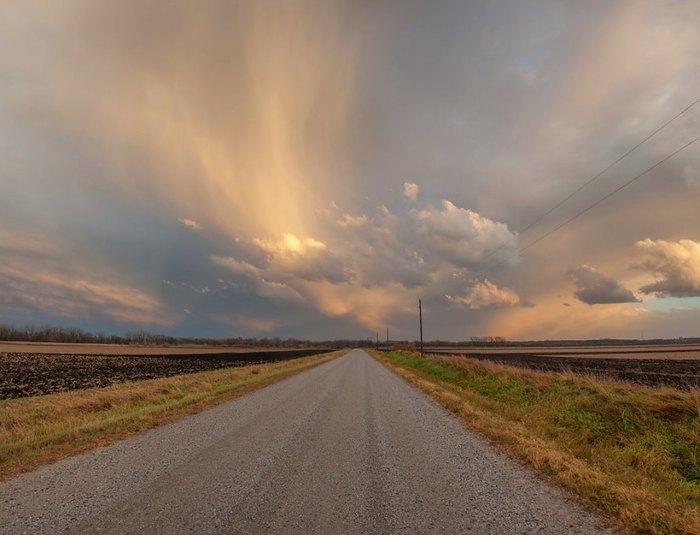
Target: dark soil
pixel 23 374
pixel 682 374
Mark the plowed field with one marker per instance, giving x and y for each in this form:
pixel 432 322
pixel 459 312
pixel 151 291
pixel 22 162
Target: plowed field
pixel 676 367
pixel 33 374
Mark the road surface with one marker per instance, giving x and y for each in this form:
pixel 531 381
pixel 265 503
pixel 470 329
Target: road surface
pixel 346 447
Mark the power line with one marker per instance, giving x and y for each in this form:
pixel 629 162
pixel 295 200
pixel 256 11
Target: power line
pixel 613 164
pixel 590 207
pixel 596 177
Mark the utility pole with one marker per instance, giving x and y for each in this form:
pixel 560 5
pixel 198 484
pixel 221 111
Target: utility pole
pixel 420 318
pixel 377 341
pixel 387 337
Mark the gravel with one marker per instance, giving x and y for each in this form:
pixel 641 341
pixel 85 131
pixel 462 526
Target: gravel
pixel 346 447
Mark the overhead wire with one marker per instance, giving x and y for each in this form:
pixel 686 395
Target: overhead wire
pixel 613 164
pixel 596 203
pixel 595 178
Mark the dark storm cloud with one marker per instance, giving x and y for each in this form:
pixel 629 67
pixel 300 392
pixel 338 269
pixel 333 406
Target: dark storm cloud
pixel 596 288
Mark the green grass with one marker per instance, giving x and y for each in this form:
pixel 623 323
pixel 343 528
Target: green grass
pixel 632 451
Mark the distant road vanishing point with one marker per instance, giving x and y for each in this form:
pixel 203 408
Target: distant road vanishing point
pixel 346 447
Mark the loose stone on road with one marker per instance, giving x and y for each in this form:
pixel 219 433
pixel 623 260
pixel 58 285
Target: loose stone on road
pixel 346 447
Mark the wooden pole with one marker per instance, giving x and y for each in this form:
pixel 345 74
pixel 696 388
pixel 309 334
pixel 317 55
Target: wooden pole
pixel 420 318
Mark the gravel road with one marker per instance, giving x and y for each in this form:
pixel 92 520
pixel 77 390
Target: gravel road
pixel 346 447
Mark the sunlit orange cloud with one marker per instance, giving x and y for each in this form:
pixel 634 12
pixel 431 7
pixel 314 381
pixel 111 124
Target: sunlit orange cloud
pixel 552 319
pixel 558 313
pixel 369 307
pixel 39 274
pixel 62 295
pixel 250 323
pixel 245 150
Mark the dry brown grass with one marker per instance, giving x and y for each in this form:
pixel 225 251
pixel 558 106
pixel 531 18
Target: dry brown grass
pixel 628 450
pixel 44 429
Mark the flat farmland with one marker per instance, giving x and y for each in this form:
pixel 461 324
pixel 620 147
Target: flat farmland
pixel 46 369
pixel 120 349
pixel 675 366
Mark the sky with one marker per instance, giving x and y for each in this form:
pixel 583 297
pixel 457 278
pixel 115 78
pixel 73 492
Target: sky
pixel 311 169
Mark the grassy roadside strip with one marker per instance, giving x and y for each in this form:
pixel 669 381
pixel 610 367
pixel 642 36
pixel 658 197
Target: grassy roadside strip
pixel 632 451
pixel 43 429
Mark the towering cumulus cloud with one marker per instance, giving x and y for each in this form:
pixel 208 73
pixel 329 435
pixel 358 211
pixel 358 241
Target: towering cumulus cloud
pixel 464 237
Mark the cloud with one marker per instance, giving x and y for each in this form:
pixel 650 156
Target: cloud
pixel 372 308
pixel 237 267
pixel 551 320
pixel 204 290
pixel 380 256
pixel 487 294
pixel 246 164
pixel 465 238
pixel 278 291
pixel 290 257
pixel 70 297
pixel 416 248
pixel 190 223
pixel 47 279
pixel 691 174
pixel 247 323
pixel 346 101
pixel 410 191
pixel 596 288
pixel 678 265
pixel 383 249
pixel 27 244
pixel 254 277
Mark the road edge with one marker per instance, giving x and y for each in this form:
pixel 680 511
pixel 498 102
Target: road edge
pixel 41 430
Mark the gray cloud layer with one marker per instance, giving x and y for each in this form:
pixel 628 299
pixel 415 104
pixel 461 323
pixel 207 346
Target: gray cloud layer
pixel 318 166
pixel 596 288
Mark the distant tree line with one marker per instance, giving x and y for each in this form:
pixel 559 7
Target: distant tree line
pixel 74 335
pixel 51 333
pixel 499 341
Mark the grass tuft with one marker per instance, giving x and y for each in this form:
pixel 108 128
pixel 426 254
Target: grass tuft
pixel 43 429
pixel 632 451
